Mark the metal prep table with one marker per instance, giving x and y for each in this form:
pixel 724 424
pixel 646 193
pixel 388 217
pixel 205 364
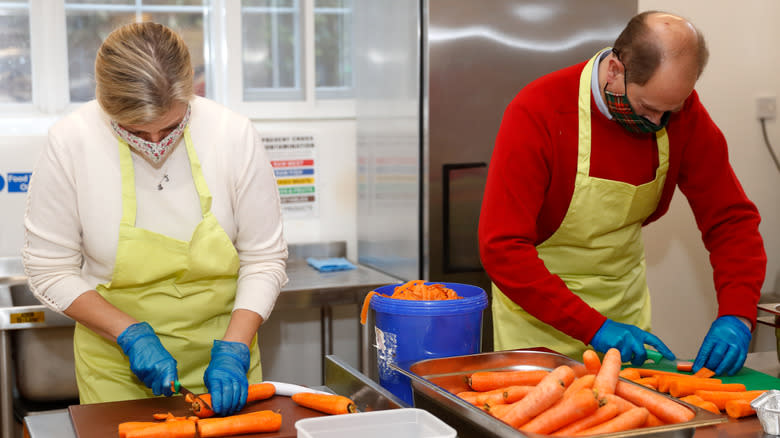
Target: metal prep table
pixel 340 378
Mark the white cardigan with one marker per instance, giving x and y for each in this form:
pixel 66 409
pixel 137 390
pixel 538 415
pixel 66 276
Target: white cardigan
pixel 74 204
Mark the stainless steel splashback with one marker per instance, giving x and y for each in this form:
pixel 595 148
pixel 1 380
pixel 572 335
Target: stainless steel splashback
pixel 433 80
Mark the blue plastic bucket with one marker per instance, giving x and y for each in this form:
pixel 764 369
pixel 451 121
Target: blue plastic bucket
pixel 408 331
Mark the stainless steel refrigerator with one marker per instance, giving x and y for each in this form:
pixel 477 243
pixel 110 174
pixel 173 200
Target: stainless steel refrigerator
pixel 433 78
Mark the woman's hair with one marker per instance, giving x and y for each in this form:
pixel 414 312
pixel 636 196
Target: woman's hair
pixel 640 50
pixel 141 71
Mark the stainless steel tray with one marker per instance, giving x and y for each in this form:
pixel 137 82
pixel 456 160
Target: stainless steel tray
pixel 436 381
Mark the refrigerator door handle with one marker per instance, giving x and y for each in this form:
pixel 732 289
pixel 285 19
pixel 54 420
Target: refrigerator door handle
pixel 449 266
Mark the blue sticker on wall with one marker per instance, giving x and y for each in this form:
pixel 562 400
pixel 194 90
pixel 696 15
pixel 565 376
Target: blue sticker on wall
pixel 18 182
pixel 2 182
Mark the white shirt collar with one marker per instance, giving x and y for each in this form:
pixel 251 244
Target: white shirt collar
pixel 594 84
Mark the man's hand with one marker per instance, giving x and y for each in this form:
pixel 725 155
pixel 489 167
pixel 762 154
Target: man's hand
pixel 630 340
pixel 725 346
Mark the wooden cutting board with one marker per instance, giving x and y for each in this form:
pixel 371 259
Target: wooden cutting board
pixel 100 420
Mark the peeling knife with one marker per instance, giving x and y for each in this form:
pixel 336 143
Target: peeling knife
pixel 178 387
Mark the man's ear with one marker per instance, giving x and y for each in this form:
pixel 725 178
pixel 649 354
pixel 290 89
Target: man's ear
pixel 615 69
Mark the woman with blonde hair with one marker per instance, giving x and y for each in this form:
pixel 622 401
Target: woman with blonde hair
pixel 154 221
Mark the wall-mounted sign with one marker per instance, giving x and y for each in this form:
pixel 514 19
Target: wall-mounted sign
pixel 18 182
pixel 2 183
pixel 293 158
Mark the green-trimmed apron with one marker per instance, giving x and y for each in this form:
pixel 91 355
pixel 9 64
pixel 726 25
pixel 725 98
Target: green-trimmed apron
pixel 185 290
pixel 597 250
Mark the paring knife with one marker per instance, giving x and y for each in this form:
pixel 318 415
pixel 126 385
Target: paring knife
pixel 178 387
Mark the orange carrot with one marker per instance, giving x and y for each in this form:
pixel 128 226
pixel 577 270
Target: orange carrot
pixel 578 406
pixel 591 360
pixel 127 426
pixel 478 399
pixel 710 406
pixel 684 366
pixel 585 381
pixel 650 382
pixel 605 412
pixel 630 419
pixel 665 381
pixel 327 403
pixel 683 387
pixel 704 373
pixel 647 372
pixel 630 374
pixel 652 421
pixel 255 392
pixel 498 411
pixel 607 377
pixel 487 380
pixel 701 403
pixel 516 392
pixel 662 407
pixel 692 399
pixel 622 404
pixel 544 395
pixel 161 416
pixel 167 429
pixel 739 409
pixel 721 397
pixel 253 422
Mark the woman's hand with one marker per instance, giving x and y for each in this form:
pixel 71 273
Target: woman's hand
pixel 225 376
pixel 149 360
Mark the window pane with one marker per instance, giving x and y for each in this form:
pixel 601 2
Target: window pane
pixel 271 52
pixel 15 71
pixel 88 26
pixel 174 2
pixel 333 46
pixel 101 2
pixel 86 31
pixel 269 3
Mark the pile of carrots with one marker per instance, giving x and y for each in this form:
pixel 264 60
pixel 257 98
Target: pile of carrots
pixel 412 290
pixel 200 425
pixel 559 402
pixel 699 389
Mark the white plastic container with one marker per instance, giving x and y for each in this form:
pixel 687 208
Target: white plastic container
pixel 392 423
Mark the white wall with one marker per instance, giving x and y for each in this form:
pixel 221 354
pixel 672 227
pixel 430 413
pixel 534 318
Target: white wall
pixel 744 63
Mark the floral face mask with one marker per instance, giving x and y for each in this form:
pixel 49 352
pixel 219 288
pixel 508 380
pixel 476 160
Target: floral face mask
pixel 154 151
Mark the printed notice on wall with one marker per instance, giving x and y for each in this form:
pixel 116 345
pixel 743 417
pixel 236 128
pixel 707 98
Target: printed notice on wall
pixel 293 158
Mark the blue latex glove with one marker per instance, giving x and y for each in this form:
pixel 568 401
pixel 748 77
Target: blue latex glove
pixel 630 340
pixel 149 360
pixel 725 347
pixel 226 376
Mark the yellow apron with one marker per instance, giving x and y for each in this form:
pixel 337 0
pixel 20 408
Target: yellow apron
pixel 597 250
pixel 185 290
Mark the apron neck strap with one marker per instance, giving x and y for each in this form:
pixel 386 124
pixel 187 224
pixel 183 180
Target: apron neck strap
pixel 129 204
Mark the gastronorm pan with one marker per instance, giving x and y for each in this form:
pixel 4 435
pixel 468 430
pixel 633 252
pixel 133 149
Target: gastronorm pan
pixel 436 381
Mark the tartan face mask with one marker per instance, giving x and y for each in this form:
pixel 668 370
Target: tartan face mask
pixel 624 114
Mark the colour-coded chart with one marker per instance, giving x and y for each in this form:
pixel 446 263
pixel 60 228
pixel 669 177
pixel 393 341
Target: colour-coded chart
pixel 293 160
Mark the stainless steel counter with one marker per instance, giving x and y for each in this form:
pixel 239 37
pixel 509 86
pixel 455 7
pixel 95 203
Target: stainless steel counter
pixel 309 288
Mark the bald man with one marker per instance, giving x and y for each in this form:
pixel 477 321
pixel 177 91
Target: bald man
pixel 584 158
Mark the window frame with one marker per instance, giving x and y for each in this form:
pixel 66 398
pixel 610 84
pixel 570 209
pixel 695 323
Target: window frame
pixel 223 43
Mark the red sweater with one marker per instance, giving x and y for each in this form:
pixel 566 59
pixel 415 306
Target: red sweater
pixel 531 181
